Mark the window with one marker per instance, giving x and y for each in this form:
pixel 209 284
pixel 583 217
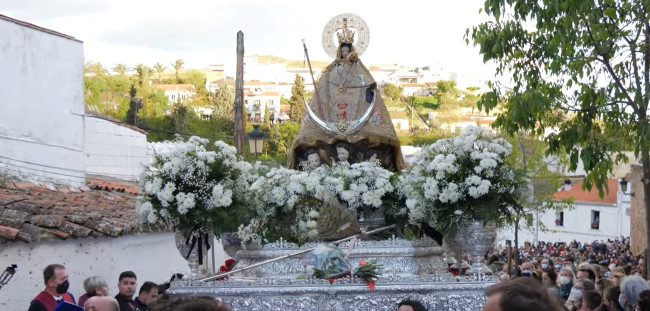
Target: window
pixel 529 220
pixel 595 220
pixel 559 219
pixel 398 125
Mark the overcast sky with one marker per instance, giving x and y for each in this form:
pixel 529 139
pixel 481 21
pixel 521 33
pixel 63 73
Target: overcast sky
pixel 202 32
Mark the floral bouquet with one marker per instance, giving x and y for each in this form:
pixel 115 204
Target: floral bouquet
pixel 459 180
pixel 321 203
pixel 196 188
pixel 329 262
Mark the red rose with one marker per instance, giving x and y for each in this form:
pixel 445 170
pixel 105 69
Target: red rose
pixel 363 262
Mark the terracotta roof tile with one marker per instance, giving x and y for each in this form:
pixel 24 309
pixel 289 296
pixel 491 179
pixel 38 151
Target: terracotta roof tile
pixel 32 213
pixel 579 195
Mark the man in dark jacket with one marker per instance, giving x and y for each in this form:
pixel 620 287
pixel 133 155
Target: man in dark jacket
pixel 56 289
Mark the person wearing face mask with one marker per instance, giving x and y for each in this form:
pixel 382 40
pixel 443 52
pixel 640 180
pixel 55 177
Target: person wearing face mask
pixel 56 289
pixel 574 302
pixel 546 264
pixel 631 287
pixel 610 299
pixel 565 282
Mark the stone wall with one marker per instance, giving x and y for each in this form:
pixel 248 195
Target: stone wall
pixel 637 211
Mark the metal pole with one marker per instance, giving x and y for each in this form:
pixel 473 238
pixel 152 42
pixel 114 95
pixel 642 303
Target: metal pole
pixel 291 255
pixel 320 108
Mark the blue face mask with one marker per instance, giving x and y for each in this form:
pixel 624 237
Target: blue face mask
pixel 544 266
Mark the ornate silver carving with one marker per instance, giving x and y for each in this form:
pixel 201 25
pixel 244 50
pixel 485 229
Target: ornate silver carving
pixel 330 42
pixel 475 240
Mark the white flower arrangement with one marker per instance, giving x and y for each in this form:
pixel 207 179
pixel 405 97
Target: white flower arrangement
pixel 284 192
pixel 190 187
pixel 460 179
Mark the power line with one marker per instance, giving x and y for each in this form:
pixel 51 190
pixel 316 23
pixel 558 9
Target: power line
pixel 59 168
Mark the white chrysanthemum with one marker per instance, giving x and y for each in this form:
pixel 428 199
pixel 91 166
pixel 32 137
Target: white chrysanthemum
pixel 312 224
pixel 314 214
pixel 221 197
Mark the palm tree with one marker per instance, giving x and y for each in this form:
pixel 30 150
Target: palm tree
pixel 178 65
pixel 160 68
pixel 120 69
pixel 144 73
pixel 95 68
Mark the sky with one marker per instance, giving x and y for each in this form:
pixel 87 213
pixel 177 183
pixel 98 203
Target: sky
pixel 203 32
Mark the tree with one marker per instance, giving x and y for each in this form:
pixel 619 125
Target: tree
pixel 178 66
pixel 143 74
pixel 120 69
pixel 95 69
pixel 297 100
pixel 222 103
pixel 392 91
pixel 580 67
pixel 160 69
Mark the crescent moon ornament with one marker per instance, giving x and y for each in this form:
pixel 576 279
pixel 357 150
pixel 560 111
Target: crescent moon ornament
pixel 335 25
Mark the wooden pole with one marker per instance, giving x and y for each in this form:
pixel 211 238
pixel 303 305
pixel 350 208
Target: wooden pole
pixel 311 72
pixel 239 95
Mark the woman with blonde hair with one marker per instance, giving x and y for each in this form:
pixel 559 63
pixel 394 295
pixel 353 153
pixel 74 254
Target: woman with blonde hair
pixel 565 282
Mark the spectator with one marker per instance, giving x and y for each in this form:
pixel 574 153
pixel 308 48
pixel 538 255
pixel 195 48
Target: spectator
pixel 56 289
pixel 565 283
pixel 101 303
pixel 602 284
pixel 147 295
pixel 574 302
pixel 549 280
pixel 519 294
pixel 126 285
pixel 94 286
pixel 410 305
pixel 591 300
pixel 644 301
pixel 631 287
pixel 610 299
pixel 585 272
pixel 546 264
pixel 188 303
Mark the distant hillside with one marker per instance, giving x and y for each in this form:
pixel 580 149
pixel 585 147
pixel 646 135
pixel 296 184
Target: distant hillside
pixel 270 59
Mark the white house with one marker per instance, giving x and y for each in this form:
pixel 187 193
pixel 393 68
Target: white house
pixel 41 104
pixel 114 149
pixel 49 211
pixel 177 93
pixel 591 217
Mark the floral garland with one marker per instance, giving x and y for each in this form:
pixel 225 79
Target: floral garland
pixel 461 179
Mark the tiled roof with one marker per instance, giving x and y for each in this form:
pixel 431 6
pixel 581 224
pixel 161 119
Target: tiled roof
pixel 31 213
pixel 39 28
pixel 592 196
pixel 253 94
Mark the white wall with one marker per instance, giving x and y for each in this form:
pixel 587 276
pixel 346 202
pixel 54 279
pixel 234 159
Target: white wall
pixel 153 257
pixel 41 105
pixel 113 150
pixel 577 225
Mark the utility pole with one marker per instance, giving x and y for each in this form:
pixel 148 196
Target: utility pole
pixel 239 95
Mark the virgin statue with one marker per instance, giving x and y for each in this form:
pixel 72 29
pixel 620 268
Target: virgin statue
pixel 346 119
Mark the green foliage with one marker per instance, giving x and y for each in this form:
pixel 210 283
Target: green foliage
pixel 580 70
pixel 178 66
pixel 160 69
pixel 392 91
pixel 424 102
pixel 222 102
pixel 196 78
pixel 279 139
pixel 297 100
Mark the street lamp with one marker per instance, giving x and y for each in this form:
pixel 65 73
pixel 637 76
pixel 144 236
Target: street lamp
pixel 623 183
pixel 256 140
pixel 7 275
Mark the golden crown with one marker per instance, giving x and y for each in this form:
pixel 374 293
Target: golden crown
pixel 345 34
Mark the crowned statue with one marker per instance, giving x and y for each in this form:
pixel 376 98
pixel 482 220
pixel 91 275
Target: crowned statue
pixel 346 120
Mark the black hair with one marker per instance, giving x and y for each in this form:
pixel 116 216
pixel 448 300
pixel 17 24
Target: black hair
pixel 147 287
pixel 127 274
pixel 416 305
pixel 49 272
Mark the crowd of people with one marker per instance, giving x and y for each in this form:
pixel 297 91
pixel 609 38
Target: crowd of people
pixel 603 275
pixel 150 297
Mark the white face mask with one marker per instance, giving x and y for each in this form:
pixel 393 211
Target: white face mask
pixel 576 294
pixel 564 280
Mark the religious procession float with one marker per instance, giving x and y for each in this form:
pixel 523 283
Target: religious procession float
pixel 345 225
